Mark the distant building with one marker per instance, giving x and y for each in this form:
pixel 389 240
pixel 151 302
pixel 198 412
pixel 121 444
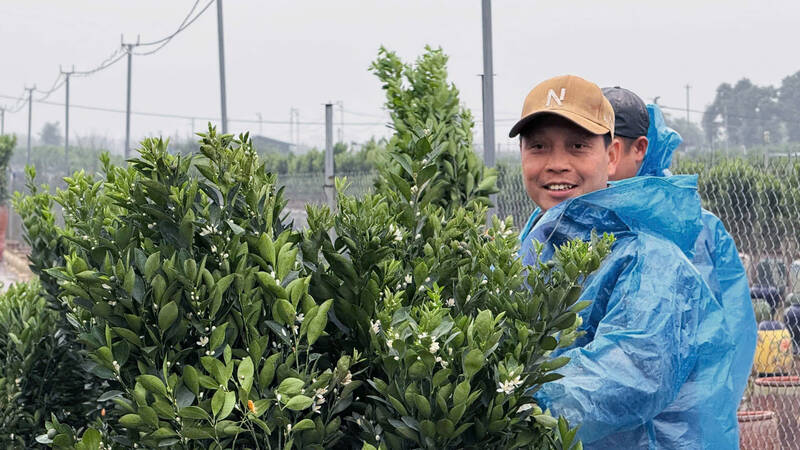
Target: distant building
pixel 265 144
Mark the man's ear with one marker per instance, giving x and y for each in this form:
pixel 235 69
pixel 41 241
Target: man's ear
pixel 614 154
pixel 639 146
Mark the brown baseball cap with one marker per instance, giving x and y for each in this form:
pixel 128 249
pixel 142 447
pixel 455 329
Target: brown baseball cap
pixel 571 97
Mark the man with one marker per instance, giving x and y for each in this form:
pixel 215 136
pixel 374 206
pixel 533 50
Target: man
pixel 647 145
pixel 652 370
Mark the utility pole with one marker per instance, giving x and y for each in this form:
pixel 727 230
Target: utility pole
pixel 30 106
pixel 488 85
pixel 222 68
pixel 66 118
pixel 687 103
pixel 2 121
pixel 340 104
pixel 129 50
pixel 260 124
pixel 488 94
pixel 328 187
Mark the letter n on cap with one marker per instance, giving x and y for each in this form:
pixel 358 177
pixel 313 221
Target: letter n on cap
pixel 551 95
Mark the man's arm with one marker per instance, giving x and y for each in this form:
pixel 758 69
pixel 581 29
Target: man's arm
pixel 642 352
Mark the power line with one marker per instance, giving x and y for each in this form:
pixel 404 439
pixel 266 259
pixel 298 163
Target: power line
pixel 184 24
pixel 108 62
pixel 53 88
pixel 187 117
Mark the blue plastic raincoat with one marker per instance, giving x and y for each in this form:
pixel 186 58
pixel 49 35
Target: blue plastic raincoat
pixel 715 255
pixel 654 368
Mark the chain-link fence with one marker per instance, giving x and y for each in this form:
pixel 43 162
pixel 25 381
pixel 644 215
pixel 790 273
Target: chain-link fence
pixel 758 200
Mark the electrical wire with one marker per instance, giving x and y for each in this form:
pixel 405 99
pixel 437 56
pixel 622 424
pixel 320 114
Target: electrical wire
pixel 20 102
pixel 180 116
pixel 108 62
pixel 184 24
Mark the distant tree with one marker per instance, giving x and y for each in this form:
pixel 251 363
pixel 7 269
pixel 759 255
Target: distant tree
pixel 749 114
pixel 691 133
pixel 51 134
pixel 789 103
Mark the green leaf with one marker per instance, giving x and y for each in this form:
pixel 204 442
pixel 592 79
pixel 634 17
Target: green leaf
pixel 554 364
pixel 167 316
pixel 91 439
pixel 488 183
pixel 194 412
pixel 153 384
pixel 228 405
pixel 268 371
pixel 266 248
pixel 290 387
pixel 152 265
pixel 283 312
pixel 473 362
pixel 132 421
pixel 318 322
pixel 423 406
pixel 461 393
pixel 546 420
pixel 299 402
pixel 287 256
pixel 305 424
pixel 404 161
pixel 217 401
pixel 190 379
pixel 217 336
pixel 244 373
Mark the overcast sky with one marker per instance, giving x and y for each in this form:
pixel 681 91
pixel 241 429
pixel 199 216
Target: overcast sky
pixel 301 54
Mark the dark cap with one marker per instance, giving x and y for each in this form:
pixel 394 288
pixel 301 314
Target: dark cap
pixel 630 111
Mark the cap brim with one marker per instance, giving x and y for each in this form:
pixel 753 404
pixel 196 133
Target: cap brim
pixel 588 125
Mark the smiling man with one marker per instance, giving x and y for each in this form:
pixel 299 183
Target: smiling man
pixel 653 368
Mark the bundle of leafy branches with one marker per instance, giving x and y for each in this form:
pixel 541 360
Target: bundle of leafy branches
pixel 401 320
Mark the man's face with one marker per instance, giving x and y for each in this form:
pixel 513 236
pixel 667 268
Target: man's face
pixel 632 152
pixel 561 160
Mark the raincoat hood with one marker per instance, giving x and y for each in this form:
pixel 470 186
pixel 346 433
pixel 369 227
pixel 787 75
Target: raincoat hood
pixel 662 142
pixel 668 208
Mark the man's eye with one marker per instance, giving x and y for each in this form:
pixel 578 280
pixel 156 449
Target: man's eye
pixel 580 146
pixel 536 146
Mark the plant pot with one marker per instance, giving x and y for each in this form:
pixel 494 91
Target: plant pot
pixel 3 227
pixel 758 430
pixel 773 349
pixel 781 395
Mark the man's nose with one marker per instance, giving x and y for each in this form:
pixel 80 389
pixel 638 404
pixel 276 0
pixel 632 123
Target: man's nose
pixel 557 162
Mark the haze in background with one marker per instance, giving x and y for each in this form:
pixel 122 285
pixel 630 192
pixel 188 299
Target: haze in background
pixel 301 54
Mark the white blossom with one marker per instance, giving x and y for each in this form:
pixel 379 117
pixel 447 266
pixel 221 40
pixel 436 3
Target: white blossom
pixel 507 387
pixel 203 341
pixel 434 347
pixel 347 378
pixel 451 302
pixel 300 318
pixel 409 278
pixel 376 326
